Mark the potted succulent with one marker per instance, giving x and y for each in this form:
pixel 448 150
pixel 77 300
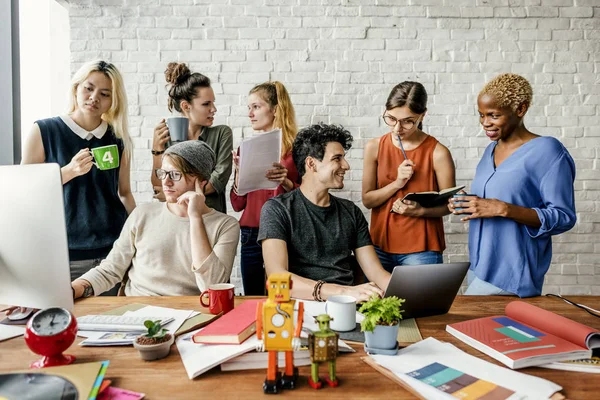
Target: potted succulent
pixel 155 343
pixel 381 322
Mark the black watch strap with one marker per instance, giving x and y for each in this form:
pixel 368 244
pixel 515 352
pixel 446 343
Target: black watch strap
pixel 88 291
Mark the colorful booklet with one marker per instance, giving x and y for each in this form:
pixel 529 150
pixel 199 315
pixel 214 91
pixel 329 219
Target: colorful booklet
pixel 527 336
pixel 431 369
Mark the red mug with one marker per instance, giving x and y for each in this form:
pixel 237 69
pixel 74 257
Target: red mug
pixel 220 298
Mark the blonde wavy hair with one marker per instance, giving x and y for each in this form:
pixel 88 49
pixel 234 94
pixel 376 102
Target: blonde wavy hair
pixel 276 95
pixel 509 90
pixel 116 116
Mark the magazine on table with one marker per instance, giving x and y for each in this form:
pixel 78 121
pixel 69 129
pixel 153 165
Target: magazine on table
pixel 528 336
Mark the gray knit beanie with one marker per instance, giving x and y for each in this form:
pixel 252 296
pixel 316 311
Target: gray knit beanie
pixel 197 153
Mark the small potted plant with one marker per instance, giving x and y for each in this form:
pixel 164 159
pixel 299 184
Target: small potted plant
pixel 154 344
pixel 381 322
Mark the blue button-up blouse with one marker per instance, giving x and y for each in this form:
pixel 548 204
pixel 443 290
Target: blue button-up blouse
pixel 538 175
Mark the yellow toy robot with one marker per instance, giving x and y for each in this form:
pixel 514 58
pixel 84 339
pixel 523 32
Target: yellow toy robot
pixel 275 328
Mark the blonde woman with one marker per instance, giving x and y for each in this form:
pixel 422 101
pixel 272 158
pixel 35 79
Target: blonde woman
pixel 96 201
pixel 269 107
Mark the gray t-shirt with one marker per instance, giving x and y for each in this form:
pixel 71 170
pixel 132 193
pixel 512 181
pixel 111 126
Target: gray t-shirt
pixel 320 240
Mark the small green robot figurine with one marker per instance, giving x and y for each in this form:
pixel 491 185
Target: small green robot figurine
pixel 323 346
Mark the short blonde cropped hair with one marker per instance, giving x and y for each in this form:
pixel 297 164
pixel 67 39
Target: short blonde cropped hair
pixel 509 90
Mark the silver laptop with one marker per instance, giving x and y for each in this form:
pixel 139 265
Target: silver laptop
pixel 428 289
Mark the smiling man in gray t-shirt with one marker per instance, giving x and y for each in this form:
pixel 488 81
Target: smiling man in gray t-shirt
pixel 314 234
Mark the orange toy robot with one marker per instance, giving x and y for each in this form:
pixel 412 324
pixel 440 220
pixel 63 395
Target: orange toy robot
pixel 275 328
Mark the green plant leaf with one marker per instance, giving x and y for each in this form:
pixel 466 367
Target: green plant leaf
pixel 155 329
pixel 380 311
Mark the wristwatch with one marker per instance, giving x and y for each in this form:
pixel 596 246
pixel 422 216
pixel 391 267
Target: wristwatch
pixel 88 291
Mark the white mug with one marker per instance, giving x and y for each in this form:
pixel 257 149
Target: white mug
pixel 343 311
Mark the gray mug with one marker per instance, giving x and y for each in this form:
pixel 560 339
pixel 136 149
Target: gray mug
pixel 178 128
pixel 457 196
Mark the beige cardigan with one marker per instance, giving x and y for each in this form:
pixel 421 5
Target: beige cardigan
pixel 156 243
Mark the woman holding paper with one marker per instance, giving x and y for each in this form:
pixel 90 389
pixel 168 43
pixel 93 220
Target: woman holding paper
pixel 523 194
pixel 269 107
pixel 97 198
pixel 406 160
pixel 191 95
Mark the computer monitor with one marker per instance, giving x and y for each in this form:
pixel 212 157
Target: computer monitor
pixel 428 289
pixel 34 255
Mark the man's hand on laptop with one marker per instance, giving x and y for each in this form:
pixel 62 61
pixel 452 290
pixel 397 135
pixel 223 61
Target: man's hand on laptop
pixel 363 292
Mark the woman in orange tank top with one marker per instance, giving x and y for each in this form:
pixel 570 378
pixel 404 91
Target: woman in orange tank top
pixel 406 160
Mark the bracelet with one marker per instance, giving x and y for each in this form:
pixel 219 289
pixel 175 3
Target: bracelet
pixel 157 153
pixel 317 291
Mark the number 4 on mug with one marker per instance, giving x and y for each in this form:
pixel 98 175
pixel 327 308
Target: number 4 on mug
pixel 108 158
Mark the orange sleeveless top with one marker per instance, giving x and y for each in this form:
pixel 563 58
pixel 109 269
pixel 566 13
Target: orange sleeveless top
pixel 399 234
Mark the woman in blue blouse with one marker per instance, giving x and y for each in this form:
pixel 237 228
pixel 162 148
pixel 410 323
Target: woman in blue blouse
pixel 522 195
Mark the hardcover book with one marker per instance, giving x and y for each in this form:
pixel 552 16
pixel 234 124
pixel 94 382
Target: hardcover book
pixel 433 199
pixel 232 328
pixel 527 336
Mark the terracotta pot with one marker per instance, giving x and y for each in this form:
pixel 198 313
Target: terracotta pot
pixel 151 352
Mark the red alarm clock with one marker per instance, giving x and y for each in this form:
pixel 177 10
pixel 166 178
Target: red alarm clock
pixel 50 332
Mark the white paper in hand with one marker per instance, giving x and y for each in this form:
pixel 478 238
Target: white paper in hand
pixel 257 155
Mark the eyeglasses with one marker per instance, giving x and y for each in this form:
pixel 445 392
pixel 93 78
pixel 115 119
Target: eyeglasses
pixel 162 174
pixel 406 124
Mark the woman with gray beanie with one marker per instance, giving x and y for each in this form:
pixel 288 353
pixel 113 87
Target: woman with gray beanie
pixel 177 248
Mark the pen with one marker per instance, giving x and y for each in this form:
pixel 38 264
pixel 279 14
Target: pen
pixel 403 153
pixel 402 148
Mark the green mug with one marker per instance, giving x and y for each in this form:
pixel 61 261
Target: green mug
pixel 106 157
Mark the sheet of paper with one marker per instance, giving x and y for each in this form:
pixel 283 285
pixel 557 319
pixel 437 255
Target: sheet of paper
pixel 95 338
pixel 10 331
pixel 179 315
pixel 109 339
pixel 428 362
pixel 198 358
pixel 257 155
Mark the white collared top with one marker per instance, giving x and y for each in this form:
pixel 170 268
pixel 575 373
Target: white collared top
pixel 82 133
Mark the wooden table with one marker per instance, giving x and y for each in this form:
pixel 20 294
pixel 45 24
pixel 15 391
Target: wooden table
pixel 167 379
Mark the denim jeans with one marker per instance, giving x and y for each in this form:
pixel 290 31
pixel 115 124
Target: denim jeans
pixel 478 287
pixel 252 264
pixel 80 267
pixel 390 260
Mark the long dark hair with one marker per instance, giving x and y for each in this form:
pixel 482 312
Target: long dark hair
pixel 411 94
pixel 183 84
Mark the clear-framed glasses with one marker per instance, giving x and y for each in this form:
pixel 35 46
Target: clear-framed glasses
pixel 162 174
pixel 405 124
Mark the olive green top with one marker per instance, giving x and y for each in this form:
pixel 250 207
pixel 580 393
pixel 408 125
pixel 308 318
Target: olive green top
pixel 220 140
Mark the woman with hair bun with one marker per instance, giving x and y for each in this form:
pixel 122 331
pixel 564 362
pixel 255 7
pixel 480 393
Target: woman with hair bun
pixel 523 194
pixel 96 201
pixel 406 160
pixel 269 107
pixel 191 95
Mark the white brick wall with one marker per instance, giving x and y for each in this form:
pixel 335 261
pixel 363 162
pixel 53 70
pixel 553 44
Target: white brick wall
pixel 339 60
